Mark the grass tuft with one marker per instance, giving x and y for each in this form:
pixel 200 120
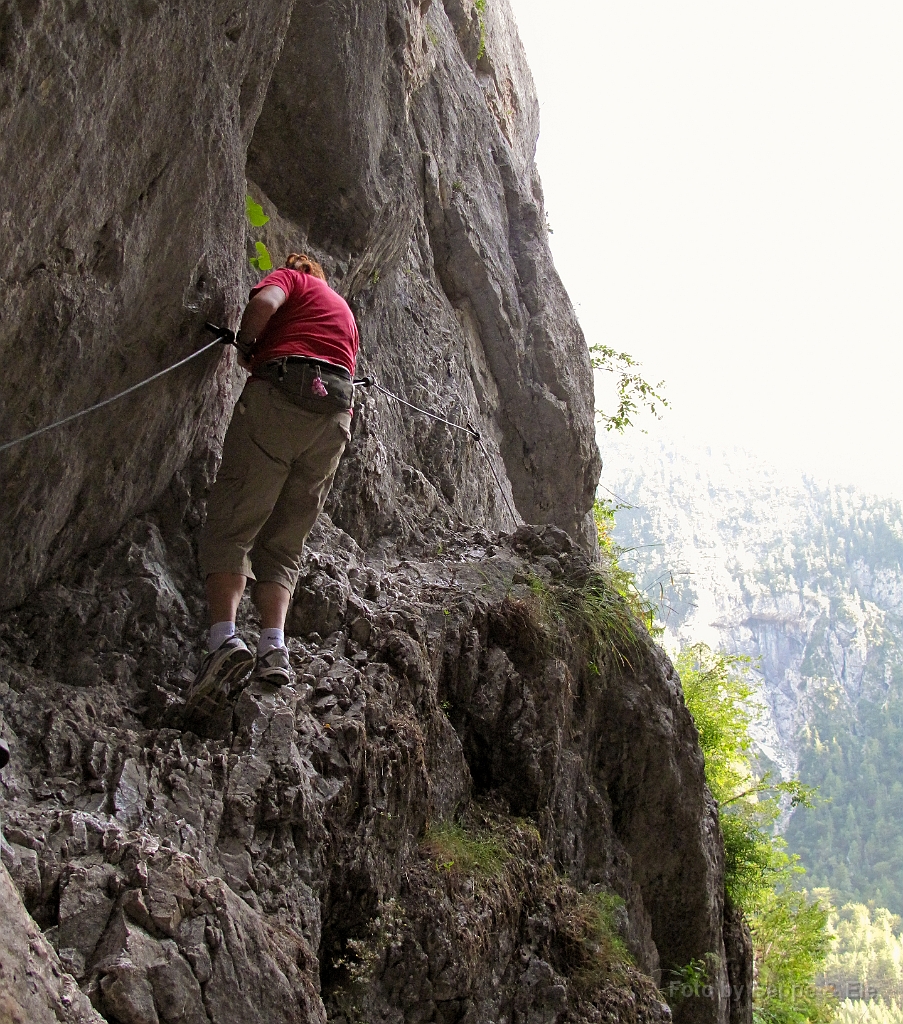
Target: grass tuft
pixel 453 849
pixel 593 610
pixel 595 950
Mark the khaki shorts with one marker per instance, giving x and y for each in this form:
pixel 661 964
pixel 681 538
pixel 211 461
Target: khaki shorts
pixel 278 464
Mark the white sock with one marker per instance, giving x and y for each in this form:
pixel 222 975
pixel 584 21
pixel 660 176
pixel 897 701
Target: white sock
pixel 219 634
pixel 270 639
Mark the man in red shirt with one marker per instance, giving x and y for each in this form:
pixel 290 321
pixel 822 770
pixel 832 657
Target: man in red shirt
pixel 299 339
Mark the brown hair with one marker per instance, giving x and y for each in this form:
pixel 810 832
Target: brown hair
pixel 298 261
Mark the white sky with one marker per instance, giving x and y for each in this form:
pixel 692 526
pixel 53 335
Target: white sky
pixel 724 181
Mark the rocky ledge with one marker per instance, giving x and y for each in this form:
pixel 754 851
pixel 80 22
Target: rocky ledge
pixel 447 817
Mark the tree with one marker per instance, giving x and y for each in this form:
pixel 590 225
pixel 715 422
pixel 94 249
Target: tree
pixel 789 928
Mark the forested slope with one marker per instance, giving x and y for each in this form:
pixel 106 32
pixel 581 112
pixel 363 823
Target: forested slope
pixel 807 579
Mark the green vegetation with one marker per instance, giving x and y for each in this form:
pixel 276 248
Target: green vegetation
pixel 602 608
pixel 789 928
pixel 262 261
pixel 453 848
pixel 866 961
pixel 790 944
pixel 853 842
pixel 623 581
pixel 592 611
pixel 875 1012
pixel 363 956
pixel 691 979
pixel 633 390
pixel 480 5
pixel 257 218
pixel 595 951
pixel 720 701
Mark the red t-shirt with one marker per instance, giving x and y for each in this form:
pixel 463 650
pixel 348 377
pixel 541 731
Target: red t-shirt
pixel 314 321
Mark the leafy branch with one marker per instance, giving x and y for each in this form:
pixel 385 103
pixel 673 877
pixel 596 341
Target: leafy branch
pixel 634 391
pixel 257 218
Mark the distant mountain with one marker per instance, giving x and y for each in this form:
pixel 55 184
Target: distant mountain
pixel 807 578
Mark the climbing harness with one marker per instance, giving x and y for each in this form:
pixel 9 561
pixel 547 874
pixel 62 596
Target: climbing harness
pixel 224 337
pixel 312 384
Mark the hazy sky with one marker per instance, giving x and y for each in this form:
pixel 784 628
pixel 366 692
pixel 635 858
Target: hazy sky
pixel 724 181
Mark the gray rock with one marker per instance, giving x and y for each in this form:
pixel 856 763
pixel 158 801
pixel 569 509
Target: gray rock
pixel 125 232
pixel 303 821
pixel 84 910
pixel 34 986
pixel 739 950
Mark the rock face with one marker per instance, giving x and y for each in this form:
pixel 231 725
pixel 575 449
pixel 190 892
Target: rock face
pixel 125 128
pixel 471 806
pixel 407 170
pixel 432 199
pixel 34 986
pixel 284 858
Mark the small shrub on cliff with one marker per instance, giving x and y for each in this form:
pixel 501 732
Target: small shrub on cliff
pixel 633 391
pixel 362 958
pixel 691 979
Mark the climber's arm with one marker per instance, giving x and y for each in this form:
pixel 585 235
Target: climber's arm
pixel 256 316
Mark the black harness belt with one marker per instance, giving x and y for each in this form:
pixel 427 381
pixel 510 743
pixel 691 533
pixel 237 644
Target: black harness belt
pixel 312 384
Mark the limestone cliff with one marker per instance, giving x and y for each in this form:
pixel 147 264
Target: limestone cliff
pixel 806 579
pixel 284 861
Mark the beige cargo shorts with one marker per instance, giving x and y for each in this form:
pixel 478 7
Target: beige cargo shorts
pixel 278 465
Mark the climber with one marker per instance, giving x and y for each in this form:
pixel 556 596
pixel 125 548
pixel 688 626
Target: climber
pixel 299 340
pixel 4 754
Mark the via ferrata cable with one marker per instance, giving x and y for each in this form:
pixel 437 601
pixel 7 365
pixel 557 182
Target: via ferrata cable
pixel 115 398
pixel 475 434
pixel 227 337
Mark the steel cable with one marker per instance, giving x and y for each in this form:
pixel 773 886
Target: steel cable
pixel 366 382
pixel 467 430
pixel 108 401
